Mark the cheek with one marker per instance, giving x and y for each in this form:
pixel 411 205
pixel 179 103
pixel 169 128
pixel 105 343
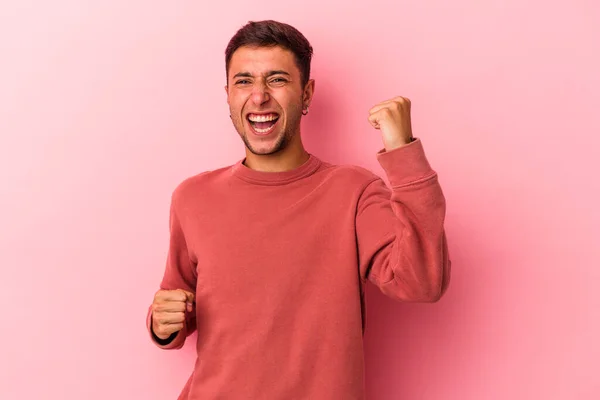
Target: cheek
pixel 236 100
pixel 234 103
pixel 289 102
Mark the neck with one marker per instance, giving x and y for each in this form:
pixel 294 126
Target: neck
pixel 291 157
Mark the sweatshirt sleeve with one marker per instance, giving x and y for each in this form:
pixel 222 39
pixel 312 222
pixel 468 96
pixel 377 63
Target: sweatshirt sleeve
pixel 400 230
pixel 180 273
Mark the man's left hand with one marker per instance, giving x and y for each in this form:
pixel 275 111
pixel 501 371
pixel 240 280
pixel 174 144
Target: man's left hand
pixel 392 117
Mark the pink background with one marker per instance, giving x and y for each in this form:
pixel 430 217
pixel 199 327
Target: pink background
pixel 105 106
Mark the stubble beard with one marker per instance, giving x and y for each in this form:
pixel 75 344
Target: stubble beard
pixel 283 140
pixel 281 143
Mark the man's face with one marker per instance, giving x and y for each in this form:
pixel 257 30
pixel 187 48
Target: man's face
pixel 266 97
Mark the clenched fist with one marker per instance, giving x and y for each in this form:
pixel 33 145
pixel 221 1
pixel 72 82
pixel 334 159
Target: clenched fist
pixel 392 117
pixel 168 311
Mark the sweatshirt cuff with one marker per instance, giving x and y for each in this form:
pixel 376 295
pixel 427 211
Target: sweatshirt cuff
pixel 405 165
pixel 176 343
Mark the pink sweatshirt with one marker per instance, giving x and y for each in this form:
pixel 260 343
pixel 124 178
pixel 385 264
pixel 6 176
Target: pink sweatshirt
pixel 279 262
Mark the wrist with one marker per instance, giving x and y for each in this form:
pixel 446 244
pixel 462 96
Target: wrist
pixel 399 143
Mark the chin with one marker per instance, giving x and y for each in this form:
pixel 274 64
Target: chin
pixel 265 149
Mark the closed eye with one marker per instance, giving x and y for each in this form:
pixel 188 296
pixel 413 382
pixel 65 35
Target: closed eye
pixel 278 81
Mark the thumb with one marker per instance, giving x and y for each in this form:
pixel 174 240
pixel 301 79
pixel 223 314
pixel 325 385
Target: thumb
pixel 189 299
pixel 374 120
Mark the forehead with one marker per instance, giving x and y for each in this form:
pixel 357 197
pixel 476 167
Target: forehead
pixel 259 60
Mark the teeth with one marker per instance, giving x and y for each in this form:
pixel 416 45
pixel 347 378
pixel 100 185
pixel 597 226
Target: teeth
pixel 262 118
pixel 263 130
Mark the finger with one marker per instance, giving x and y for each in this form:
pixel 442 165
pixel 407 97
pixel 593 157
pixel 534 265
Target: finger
pixel 399 99
pixel 380 106
pixel 164 331
pixel 373 120
pixel 392 103
pixel 189 296
pixel 182 298
pixel 169 306
pixel 174 295
pixel 169 318
pixel 379 117
pixel 170 295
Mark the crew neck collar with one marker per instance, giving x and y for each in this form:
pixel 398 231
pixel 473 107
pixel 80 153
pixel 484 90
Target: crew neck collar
pixel 247 174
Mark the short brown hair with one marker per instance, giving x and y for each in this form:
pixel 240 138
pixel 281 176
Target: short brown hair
pixel 271 33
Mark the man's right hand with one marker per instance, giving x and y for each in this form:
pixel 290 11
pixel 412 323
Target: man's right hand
pixel 168 311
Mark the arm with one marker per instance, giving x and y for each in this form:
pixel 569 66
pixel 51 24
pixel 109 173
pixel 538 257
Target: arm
pixel 400 231
pixel 179 274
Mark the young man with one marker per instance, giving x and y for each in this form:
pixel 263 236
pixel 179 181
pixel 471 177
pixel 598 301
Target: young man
pixel 269 257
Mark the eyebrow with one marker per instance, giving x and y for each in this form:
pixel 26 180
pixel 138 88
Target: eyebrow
pixel 270 73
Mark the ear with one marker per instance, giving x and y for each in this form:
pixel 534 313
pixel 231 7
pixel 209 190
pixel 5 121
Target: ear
pixel 227 92
pixel 309 91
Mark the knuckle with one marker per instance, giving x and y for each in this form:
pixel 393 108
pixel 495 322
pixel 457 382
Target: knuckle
pixel 175 294
pixel 159 308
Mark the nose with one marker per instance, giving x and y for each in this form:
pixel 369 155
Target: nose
pixel 260 94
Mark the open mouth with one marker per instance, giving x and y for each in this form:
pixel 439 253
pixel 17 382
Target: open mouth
pixel 263 124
